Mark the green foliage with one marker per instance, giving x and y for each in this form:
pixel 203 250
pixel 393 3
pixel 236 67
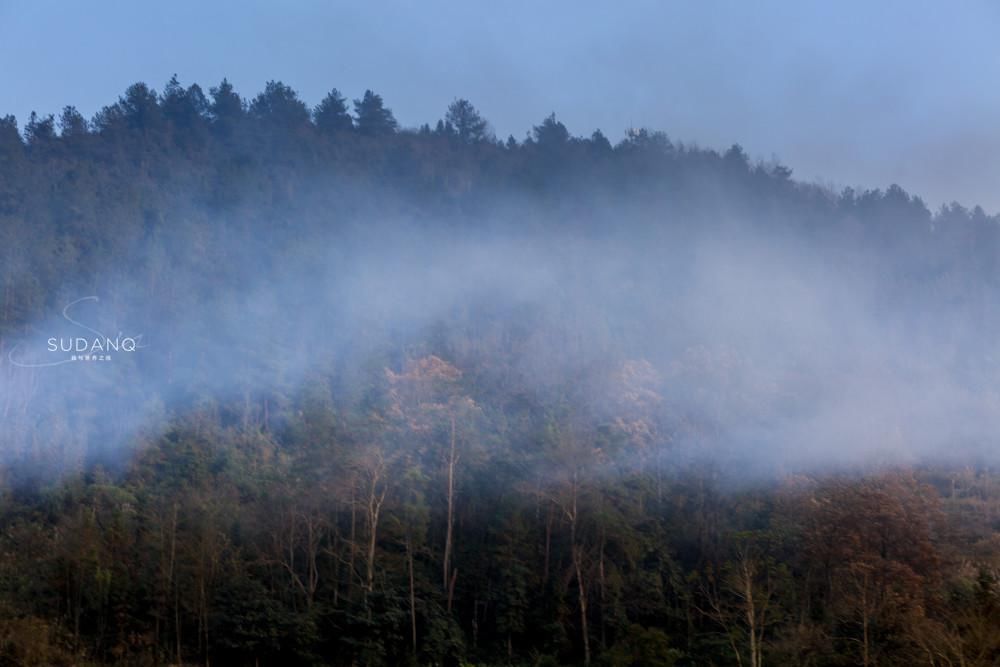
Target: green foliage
pixel 469 126
pixel 331 115
pixel 551 133
pixel 372 117
pixel 280 105
pixel 642 647
pixel 303 520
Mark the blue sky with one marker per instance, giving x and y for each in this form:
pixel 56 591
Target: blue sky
pixel 846 93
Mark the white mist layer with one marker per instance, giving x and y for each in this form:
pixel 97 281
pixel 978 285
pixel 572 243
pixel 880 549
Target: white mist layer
pixel 769 351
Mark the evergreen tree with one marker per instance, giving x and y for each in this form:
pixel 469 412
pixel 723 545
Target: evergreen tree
pixel 331 115
pixel 280 106
pixel 226 106
pixel 469 126
pixel 372 117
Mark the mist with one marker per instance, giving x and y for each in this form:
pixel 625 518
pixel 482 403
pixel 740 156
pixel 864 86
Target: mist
pixel 774 348
pixel 303 386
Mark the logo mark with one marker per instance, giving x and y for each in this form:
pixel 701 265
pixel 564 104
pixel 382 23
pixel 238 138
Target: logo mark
pixel 95 346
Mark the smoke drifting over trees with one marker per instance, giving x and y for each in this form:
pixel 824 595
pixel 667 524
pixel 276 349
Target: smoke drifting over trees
pixel 428 395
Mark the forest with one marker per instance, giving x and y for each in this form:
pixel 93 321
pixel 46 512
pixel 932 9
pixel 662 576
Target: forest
pixel 429 396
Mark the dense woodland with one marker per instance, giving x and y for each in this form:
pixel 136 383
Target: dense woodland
pixel 413 491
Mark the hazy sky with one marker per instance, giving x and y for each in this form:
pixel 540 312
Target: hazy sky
pixel 848 93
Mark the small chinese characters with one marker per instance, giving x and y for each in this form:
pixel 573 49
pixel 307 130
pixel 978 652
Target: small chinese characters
pixel 90 357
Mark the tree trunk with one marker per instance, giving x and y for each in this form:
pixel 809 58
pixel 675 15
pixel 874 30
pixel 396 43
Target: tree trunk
pixel 582 594
pixel 751 614
pixel 451 587
pixel 548 545
pixel 452 461
pixel 376 496
pixel 865 659
pixel 603 600
pixel 577 554
pixel 352 545
pixel 173 586
pixel 413 597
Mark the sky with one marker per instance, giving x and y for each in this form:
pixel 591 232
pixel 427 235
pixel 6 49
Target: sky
pixel 847 94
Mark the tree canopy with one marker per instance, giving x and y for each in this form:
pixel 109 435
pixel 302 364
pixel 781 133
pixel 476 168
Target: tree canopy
pixel 418 396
